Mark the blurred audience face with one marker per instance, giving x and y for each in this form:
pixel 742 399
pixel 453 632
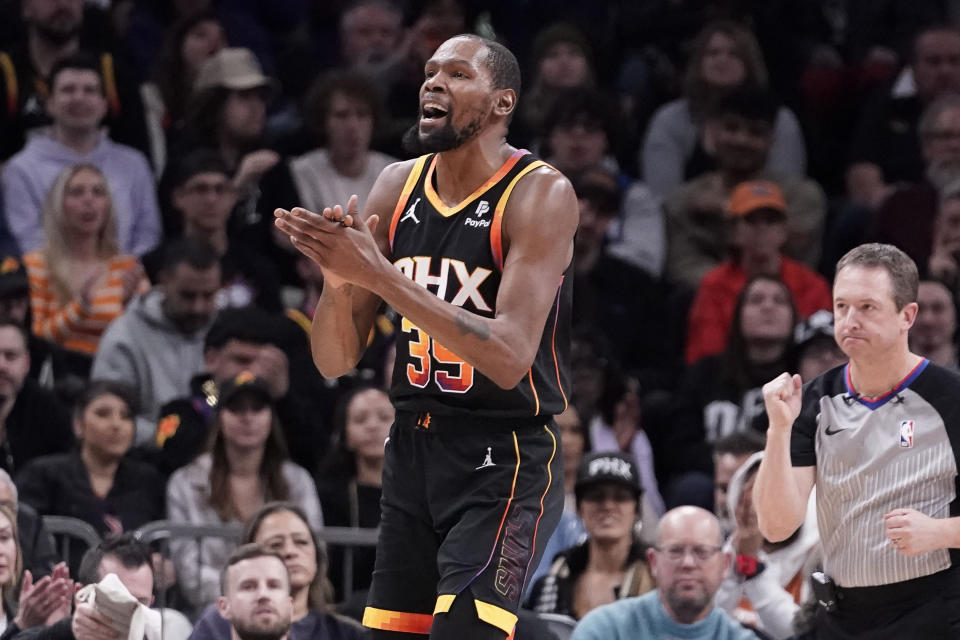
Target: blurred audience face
pixel 721 65
pixel 57 21
pixel 741 144
pixel 369 33
pixel 245 115
pixel 76 101
pixel 7 496
pixel 86 203
pixel 105 427
pixel 257 600
pixel 936 321
pixel 8 550
pixel 15 307
pixel 819 357
pixel 190 296
pixel 936 64
pixel 688 562
pixel 563 66
pixel 947 223
pixel 578 145
pixel 941 148
pixel 349 126
pixel 284 533
pixel 572 440
pixel 608 511
pixel 200 43
pixel 137 580
pixel 205 201
pixel 440 21
pixel 246 421
pixel 724 466
pixel 760 232
pixel 14 362
pixel 232 358
pixel 369 417
pixel 767 314
pixel 594 223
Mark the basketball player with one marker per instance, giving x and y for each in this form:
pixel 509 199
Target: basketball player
pixel 473 252
pixel 880 439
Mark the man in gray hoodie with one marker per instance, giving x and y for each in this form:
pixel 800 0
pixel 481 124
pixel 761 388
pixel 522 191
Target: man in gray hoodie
pixel 157 344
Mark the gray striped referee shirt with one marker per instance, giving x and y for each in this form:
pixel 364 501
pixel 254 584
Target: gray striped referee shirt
pixel 899 450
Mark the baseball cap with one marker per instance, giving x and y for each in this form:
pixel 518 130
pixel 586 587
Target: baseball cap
pixel 818 325
pixel 13 276
pixel 755 194
pixel 232 68
pixel 245 381
pixel 607 467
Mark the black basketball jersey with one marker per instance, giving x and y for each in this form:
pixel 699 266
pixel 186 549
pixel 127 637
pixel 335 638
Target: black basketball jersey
pixel 456 253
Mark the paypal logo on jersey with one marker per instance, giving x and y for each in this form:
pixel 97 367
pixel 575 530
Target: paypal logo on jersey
pixel 482 208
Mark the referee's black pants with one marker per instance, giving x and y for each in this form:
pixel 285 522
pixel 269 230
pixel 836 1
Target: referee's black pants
pixel 927 608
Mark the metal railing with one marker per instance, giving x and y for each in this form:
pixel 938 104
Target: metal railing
pixel 66 530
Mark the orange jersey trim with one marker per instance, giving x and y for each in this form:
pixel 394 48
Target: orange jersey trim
pixel 400 621
pixel 533 387
pixel 543 496
pixel 506 510
pixel 496 233
pixel 446 211
pixel 553 344
pixel 405 195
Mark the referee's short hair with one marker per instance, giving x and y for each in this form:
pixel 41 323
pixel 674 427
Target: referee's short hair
pixel 904 278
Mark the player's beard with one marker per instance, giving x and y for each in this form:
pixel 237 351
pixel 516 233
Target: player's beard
pixel 443 139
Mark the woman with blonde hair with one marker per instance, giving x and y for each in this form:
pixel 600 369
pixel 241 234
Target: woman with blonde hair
pixel 725 57
pixel 79 282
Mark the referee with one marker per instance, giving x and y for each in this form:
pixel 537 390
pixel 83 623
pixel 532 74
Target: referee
pixel 880 437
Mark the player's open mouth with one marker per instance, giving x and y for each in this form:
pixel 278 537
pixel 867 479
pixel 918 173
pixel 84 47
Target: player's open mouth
pixel 432 112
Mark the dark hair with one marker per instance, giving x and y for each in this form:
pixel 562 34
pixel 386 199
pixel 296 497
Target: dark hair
pixel 169 70
pixel 80 61
pixel 740 443
pixel 275 453
pixel 556 33
pixel 245 324
pixel 580 105
pixel 247 552
pixel 196 162
pixel 502 64
pixel 750 103
pixel 353 84
pixel 321 591
pixel 736 366
pixel 192 251
pixel 340 462
pixel 600 188
pixel 904 279
pixel 129 552
pixel 96 388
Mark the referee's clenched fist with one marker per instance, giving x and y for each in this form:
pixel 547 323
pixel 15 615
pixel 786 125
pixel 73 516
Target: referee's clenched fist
pixel 781 396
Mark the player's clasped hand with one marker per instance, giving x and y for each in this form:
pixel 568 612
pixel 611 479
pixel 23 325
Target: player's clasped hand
pixel 781 396
pixel 913 533
pixel 344 249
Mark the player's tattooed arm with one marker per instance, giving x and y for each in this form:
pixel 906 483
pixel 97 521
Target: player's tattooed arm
pixel 472 325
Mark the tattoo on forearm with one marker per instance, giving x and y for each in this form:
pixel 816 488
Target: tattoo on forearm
pixel 469 323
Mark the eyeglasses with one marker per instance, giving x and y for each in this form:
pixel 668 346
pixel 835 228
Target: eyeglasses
pixel 701 552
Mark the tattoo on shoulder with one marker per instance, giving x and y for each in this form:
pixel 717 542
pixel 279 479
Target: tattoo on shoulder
pixel 469 323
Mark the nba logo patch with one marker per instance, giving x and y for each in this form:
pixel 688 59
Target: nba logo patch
pixel 906 434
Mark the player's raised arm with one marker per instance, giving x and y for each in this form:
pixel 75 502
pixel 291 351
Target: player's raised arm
pixel 781 491
pixel 345 312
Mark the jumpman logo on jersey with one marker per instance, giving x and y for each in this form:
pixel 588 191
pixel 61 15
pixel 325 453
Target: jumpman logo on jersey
pixel 488 461
pixel 410 212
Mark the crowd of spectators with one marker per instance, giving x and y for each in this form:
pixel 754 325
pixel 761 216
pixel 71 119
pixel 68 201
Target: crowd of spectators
pixel 154 356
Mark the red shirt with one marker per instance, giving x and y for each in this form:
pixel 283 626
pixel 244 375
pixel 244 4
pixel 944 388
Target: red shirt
pixel 712 311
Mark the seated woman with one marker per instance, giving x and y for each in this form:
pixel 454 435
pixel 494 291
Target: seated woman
pixel 79 282
pixel 39 603
pixel 98 482
pixel 246 465
pixel 611 564
pixel 283 527
pixel 349 479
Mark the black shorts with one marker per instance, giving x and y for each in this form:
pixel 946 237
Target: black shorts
pixel 467 507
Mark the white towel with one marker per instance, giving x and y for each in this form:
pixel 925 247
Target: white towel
pixel 125 613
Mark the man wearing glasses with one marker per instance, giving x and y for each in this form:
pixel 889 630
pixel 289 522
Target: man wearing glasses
pixel 689 566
